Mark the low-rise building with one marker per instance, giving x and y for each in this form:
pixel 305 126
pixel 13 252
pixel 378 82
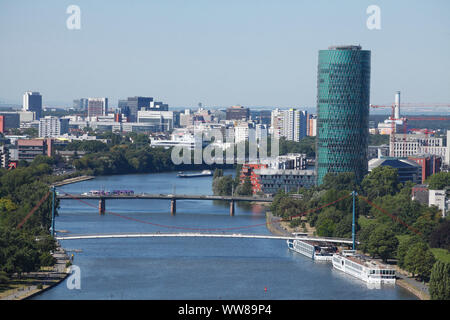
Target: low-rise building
pixel 430 164
pixel 408 170
pixel 378 151
pixel 272 180
pixel 440 199
pixel 163 120
pixel 288 172
pixel 29 149
pixel 4 156
pixel 9 120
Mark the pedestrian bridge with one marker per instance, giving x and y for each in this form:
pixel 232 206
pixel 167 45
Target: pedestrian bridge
pixel 200 235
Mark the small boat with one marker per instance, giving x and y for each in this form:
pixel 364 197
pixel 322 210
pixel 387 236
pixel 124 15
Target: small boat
pixel 204 173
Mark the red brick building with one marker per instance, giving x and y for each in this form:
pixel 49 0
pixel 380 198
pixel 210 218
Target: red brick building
pixel 29 149
pixel 430 165
pixel 248 170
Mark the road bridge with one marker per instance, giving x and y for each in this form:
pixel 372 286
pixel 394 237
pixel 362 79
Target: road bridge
pixel 172 197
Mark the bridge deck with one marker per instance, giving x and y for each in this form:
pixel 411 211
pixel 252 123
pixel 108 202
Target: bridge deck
pixel 165 196
pixel 197 234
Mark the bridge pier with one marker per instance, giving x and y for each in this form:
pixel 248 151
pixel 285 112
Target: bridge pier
pixel 173 207
pixel 232 208
pixel 101 206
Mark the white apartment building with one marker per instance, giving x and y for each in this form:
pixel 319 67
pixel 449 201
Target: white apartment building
pixel 439 199
pixel 241 132
pixel 419 144
pixel 276 123
pixel 163 119
pixel 291 124
pixel 53 127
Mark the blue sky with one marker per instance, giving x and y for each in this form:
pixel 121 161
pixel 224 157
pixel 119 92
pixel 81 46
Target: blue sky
pixel 220 53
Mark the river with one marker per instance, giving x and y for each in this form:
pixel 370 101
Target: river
pixel 189 268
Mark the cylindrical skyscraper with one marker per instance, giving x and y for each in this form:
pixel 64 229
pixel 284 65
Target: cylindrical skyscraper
pixel 343 93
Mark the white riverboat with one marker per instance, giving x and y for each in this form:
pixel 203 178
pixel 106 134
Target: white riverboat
pixel 312 249
pixel 204 173
pixel 363 268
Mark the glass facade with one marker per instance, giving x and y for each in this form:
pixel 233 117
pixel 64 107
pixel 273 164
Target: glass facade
pixel 343 92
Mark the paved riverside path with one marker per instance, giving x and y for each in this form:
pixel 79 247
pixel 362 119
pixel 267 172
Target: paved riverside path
pixel 46 278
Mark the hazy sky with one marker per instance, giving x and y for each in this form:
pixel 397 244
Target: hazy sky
pixel 218 52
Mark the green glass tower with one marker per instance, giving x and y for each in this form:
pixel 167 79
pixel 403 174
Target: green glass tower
pixel 343 93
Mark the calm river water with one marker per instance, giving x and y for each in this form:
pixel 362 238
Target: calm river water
pixel 189 268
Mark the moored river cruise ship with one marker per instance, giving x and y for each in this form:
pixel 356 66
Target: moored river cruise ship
pixel 312 249
pixel 363 268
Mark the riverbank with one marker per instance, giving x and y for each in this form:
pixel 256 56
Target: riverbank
pixel 34 283
pixel 282 228
pixel 274 226
pixel 404 280
pixel 72 180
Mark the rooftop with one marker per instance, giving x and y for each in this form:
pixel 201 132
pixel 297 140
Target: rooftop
pixel 345 47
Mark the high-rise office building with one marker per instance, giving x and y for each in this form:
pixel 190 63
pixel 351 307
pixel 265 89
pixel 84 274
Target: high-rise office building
pixel 97 107
pixel 238 113
pixel 80 104
pixel 132 105
pixel 343 92
pixel 32 101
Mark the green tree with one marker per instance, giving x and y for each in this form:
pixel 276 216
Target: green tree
pixel 440 281
pixel 381 181
pixel 404 244
pixel 382 242
pixel 419 260
pixel 223 186
pixel 440 236
pixel 339 181
pixel 245 189
pixel 425 224
pixel 438 181
pixel 364 235
pixel 326 228
pixel 217 173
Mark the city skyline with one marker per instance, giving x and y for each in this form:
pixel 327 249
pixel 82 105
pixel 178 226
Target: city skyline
pixel 248 53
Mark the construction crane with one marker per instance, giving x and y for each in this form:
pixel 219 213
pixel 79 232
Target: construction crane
pixel 425 130
pixel 395 118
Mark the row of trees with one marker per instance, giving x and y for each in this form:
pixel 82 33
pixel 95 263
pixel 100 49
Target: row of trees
pixel 394 227
pixel 28 248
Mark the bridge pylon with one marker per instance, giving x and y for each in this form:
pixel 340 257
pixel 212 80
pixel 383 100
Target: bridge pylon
pixel 173 207
pixel 101 206
pixel 232 208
